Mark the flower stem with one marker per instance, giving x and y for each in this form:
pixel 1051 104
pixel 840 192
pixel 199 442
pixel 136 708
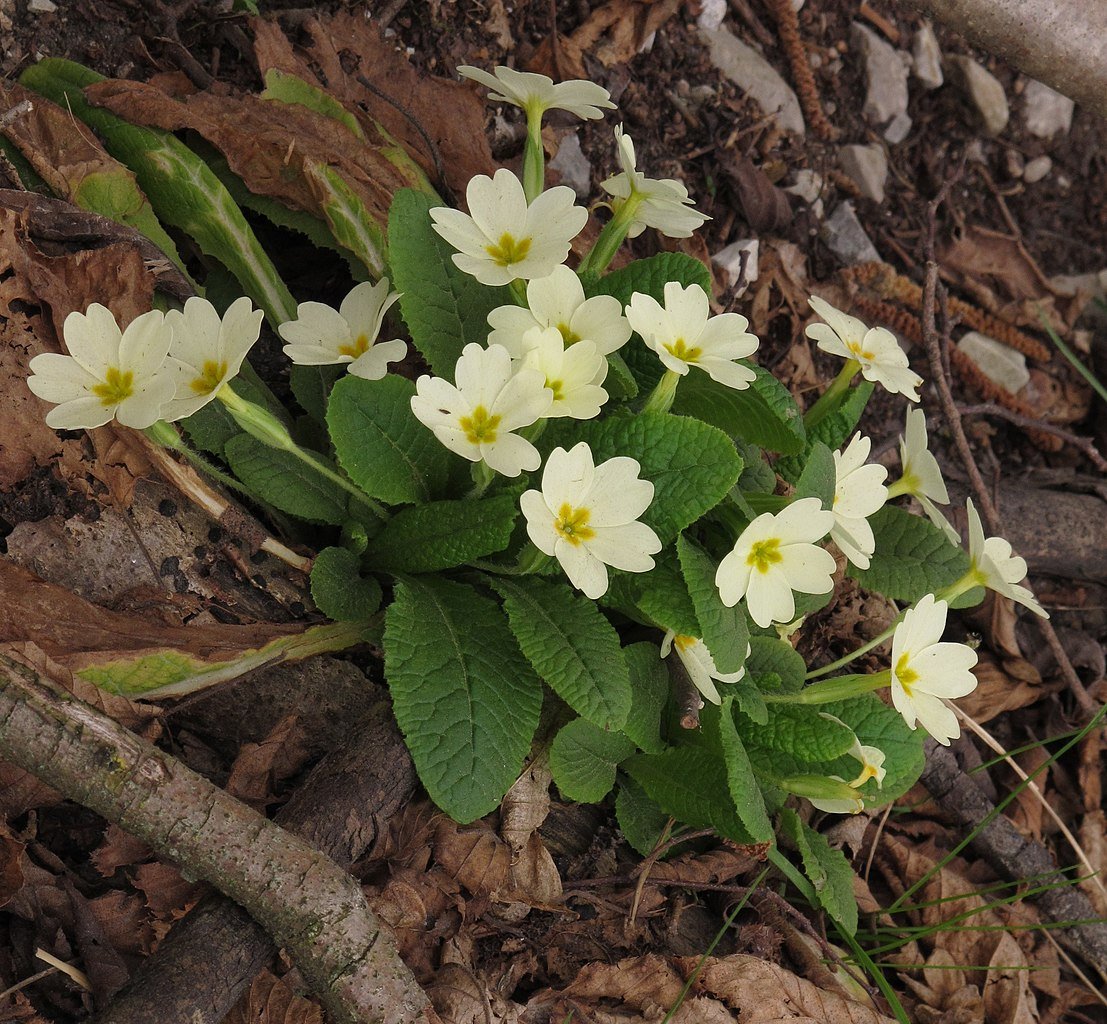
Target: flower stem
pixel 531 560
pixel 518 289
pixel 876 641
pixel 904 485
pixel 829 690
pixel 483 475
pixel 164 434
pixel 830 398
pixel 611 237
pixel 534 157
pixel 661 398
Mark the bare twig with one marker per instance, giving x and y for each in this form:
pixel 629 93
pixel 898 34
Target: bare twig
pixel 1084 444
pixel 310 906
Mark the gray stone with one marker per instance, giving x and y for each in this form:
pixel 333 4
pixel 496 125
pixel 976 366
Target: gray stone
pixel 868 167
pixel 1037 169
pixel 1047 112
pixel 747 69
pixel 885 73
pixel 808 185
pixel 729 260
pixel 898 129
pixel 42 6
pixel 573 166
pixel 845 237
pixel 1001 365
pixel 711 14
pixel 983 91
pixel 926 56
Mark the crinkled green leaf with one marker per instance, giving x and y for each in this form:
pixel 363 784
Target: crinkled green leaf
pixel 312 386
pixel 443 534
pixel 692 465
pixel 764 414
pixel 722 629
pixel 799 730
pixel 640 819
pixel 649 688
pixel 912 558
pixel 757 474
pixel 818 477
pixel 775 659
pixel 571 645
pixel 744 788
pixel 339 590
pixel 832 430
pixel 650 276
pixel 583 759
pixel 444 308
pixel 380 444
pixel 286 483
pixel 464 696
pixel 659 597
pixel 827 868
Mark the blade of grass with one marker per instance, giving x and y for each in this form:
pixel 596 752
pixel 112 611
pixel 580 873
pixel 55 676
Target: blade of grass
pixel 1094 382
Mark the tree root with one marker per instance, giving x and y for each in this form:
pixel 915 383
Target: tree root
pixel 307 903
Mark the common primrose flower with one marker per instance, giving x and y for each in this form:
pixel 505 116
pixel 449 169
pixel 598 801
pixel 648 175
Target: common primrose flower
pixel 558 301
pixel 503 238
pixel 108 373
pixel 321 335
pixel 995 565
pixel 661 203
pixel 476 416
pixel 684 334
pixel 573 374
pixel 536 93
pixel 859 492
pixel 586 516
pixel 871 758
pixel 699 664
pixel 926 672
pixel 876 349
pixel 921 477
pixel 207 351
pixel 775 555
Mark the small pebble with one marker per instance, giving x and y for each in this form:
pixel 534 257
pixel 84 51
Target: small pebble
pixel 1047 112
pixel 42 6
pixel 983 91
pixel 729 260
pixel 846 238
pixel 1003 366
pixel 1037 169
pixel 926 56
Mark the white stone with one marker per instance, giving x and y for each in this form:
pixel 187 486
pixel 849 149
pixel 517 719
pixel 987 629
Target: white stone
pixel 1047 112
pixel 754 75
pixel 729 260
pixel 808 185
pixel 898 129
pixel 711 14
pixel 983 90
pixel 1037 169
pixel 867 166
pixel 845 237
pixel 42 6
pixel 1003 366
pixel 885 73
pixel 573 165
pixel 926 56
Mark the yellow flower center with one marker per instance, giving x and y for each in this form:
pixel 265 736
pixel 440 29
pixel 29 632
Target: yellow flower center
pixel 765 553
pixel 358 348
pixel 868 771
pixel 115 387
pixel 557 387
pixel 508 250
pixel 857 348
pixel 568 335
pixel 682 642
pixel 906 675
pixel 572 524
pixel 681 350
pixel 480 428
pixel 211 376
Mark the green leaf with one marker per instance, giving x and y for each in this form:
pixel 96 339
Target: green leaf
pixel 660 595
pixel 819 476
pixel 757 475
pixel 353 225
pixel 828 870
pixel 912 558
pixel 283 87
pixel 640 819
pixel 832 430
pixel 312 385
pixel 443 534
pixel 748 700
pixel 285 482
pixel 744 788
pixel 722 629
pixel 464 696
pixel 583 759
pixel 444 308
pixel 764 414
pixel 571 645
pixel 384 449
pixel 775 660
pixel 798 729
pixel 690 784
pixel 339 590
pixel 620 383
pixel 649 688
pixel 692 465
pixel 650 276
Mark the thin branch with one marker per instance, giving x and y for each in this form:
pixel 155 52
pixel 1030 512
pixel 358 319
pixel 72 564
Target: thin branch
pixel 1084 444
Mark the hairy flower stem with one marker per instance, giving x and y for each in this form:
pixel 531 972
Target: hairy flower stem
pixel 611 237
pixel 534 157
pixel 661 398
pixel 831 397
pixel 263 426
pixel 518 289
pixel 164 434
pixel 830 690
pixel 483 475
pixel 876 641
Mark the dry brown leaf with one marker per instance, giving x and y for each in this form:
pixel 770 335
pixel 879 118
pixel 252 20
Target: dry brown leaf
pixel 125 921
pixel 994 264
pixel 522 811
pixel 473 854
pixel 118 849
pixel 997 691
pixel 764 206
pixel 271 1001
pixel 11 857
pixel 1007 995
pixel 648 983
pixel 168 894
pixel 460 997
pixel 616 32
pixel 715 867
pixel 260 767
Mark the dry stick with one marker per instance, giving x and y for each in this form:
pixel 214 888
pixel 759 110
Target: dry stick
pixel 1008 851
pixel 988 511
pixel 208 960
pixel 1083 444
pixel 309 905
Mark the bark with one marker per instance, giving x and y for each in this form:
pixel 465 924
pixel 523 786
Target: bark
pixel 209 959
pixel 1015 857
pixel 306 902
pixel 1062 43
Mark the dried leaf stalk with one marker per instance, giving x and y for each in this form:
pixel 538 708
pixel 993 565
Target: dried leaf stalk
pixel 807 90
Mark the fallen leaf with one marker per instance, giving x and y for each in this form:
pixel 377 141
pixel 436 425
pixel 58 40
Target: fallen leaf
pixel 261 767
pixel 764 206
pixel 270 1000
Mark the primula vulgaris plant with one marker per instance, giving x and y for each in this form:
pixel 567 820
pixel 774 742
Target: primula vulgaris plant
pixel 592 513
